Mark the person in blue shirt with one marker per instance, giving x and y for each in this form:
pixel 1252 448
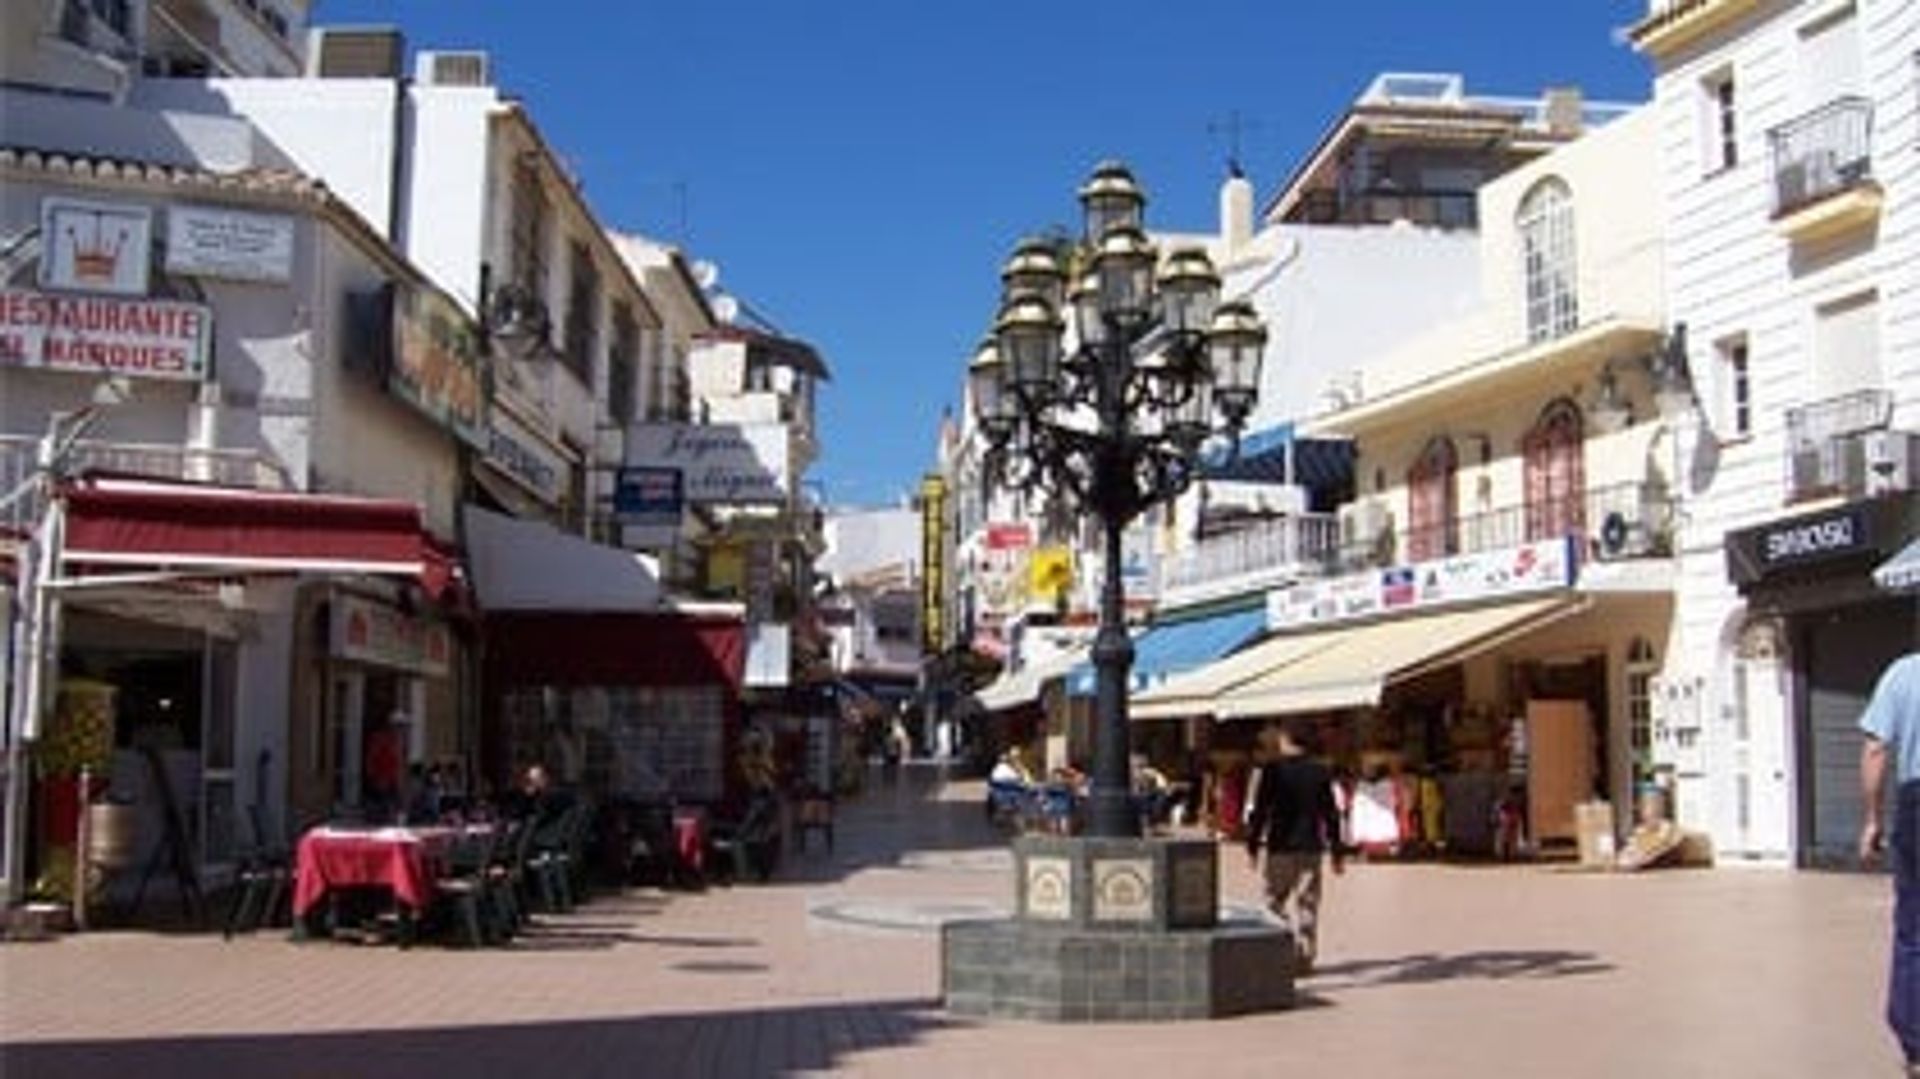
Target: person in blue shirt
pixel 1891 724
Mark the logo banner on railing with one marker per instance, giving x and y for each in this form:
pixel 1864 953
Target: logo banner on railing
pixel 1540 566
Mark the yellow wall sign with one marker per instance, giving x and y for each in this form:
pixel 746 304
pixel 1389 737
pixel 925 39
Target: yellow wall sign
pixel 1050 575
pixel 933 562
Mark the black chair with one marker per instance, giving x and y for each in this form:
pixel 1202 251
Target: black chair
pixel 476 891
pixel 263 883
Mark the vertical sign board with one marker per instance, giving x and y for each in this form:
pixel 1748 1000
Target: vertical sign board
pixel 933 565
pixel 436 363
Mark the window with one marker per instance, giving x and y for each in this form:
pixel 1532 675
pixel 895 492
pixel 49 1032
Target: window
pixel 1846 346
pixel 583 287
pixel 527 239
pixel 1642 665
pixel 1432 515
pixel 1736 388
pixel 1829 55
pixel 1719 129
pixel 1555 478
pixel 623 356
pixel 1547 253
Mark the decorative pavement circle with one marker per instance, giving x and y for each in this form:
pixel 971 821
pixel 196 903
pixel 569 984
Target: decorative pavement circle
pixel 928 915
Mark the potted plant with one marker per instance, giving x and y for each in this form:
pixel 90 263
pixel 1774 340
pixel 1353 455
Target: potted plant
pixel 79 737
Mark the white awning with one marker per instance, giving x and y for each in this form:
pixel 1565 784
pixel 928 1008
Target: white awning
pixel 1901 573
pixel 1194 693
pixel 1355 665
pixel 1024 685
pixel 521 565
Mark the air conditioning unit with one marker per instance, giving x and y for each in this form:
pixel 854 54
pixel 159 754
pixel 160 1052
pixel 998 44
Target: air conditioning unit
pixel 1888 461
pixel 1832 465
pixel 338 52
pixel 453 69
pixel 1622 535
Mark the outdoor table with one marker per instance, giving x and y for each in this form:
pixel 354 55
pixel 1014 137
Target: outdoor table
pixel 404 861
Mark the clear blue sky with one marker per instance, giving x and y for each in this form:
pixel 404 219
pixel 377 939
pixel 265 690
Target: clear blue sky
pixel 859 168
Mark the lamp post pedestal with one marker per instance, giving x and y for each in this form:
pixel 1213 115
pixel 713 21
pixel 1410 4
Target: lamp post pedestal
pixel 1115 929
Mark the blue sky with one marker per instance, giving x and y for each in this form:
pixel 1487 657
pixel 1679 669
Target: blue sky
pixel 858 170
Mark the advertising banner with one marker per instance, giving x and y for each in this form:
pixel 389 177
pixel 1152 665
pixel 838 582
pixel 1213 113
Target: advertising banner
pixel 139 338
pixel 1539 566
pixel 720 463
pixel 933 565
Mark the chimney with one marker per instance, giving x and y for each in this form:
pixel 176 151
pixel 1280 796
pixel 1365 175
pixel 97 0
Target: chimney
pixel 1564 109
pixel 1236 214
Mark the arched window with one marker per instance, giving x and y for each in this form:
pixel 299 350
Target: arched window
pixel 1432 518
pixel 1556 480
pixel 1545 223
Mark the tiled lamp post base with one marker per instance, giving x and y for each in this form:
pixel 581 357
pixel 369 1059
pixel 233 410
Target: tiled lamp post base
pixel 1114 929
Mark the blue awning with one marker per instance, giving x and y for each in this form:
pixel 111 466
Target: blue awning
pixel 1275 455
pixel 1170 648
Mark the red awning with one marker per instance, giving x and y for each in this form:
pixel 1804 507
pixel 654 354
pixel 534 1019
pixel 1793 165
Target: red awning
pixel 221 529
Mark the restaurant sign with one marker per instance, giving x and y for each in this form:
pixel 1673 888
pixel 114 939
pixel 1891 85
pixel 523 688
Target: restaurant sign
pixel 140 338
pixel 207 241
pixel 436 362
pixel 720 463
pixel 1540 566
pixel 367 631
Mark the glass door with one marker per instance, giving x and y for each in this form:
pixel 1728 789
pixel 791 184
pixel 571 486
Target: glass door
pixel 220 835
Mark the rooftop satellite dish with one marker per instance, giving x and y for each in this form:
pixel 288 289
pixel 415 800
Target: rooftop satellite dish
pixel 705 274
pixel 726 309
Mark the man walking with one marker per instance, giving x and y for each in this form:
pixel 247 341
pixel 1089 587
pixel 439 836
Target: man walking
pixel 1294 817
pixel 1891 724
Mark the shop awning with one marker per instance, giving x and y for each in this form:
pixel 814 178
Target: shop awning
pixel 1173 647
pixel 525 565
pixel 1022 687
pixel 1356 664
pixel 1901 573
pixel 188 527
pixel 1195 692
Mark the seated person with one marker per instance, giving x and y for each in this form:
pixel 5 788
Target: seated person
pixel 1008 771
pixel 542 806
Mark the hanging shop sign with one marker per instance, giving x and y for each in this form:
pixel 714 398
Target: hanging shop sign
pixel 720 463
pixel 519 453
pixel 367 631
pixel 206 241
pixel 436 362
pixel 933 565
pixel 1050 576
pixel 1540 566
pixel 88 246
pixel 161 339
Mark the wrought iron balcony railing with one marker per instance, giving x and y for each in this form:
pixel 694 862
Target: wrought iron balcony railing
pixel 226 467
pixel 1629 520
pixel 1821 153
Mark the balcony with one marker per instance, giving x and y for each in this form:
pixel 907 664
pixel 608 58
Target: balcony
pixel 1823 171
pixel 1622 521
pixel 1841 446
pixel 224 467
pixel 1674 24
pixel 1384 206
pixel 1267 553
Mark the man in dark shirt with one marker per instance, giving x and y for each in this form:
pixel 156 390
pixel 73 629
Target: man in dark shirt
pixel 1295 818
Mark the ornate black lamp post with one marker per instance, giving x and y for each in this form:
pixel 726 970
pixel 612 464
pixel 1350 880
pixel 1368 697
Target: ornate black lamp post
pixel 1112 416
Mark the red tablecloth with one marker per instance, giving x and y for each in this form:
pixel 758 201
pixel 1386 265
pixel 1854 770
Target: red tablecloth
pixel 405 860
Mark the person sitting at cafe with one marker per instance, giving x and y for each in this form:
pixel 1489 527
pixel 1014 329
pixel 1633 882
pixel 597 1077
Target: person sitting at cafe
pixel 539 803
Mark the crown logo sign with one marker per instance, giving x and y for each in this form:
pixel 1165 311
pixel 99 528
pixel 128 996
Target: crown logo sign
pixel 95 259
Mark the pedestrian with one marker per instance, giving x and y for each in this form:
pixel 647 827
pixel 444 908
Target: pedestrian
pixel 1294 818
pixel 894 750
pixel 1891 724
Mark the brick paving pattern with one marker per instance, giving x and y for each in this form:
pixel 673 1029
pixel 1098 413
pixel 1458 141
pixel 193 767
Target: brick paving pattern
pixel 1429 971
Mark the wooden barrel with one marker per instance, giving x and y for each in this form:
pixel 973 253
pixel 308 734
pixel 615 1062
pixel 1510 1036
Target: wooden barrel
pixel 112 833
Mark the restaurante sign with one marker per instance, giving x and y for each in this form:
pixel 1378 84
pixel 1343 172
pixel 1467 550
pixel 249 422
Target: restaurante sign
pixel 162 339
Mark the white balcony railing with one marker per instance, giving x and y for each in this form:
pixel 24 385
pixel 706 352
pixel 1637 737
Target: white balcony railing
pixel 225 467
pixel 1264 553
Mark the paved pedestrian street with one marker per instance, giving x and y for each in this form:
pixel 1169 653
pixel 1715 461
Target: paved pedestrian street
pixel 1428 970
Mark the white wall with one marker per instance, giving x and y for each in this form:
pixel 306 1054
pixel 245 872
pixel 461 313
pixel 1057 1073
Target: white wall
pixel 1730 272
pixel 448 185
pixel 859 541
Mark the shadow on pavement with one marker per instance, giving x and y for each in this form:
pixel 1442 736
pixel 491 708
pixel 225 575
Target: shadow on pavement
pixel 1430 967
pixel 760 1042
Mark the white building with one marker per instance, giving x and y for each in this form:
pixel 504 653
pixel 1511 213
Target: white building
pixel 1791 192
